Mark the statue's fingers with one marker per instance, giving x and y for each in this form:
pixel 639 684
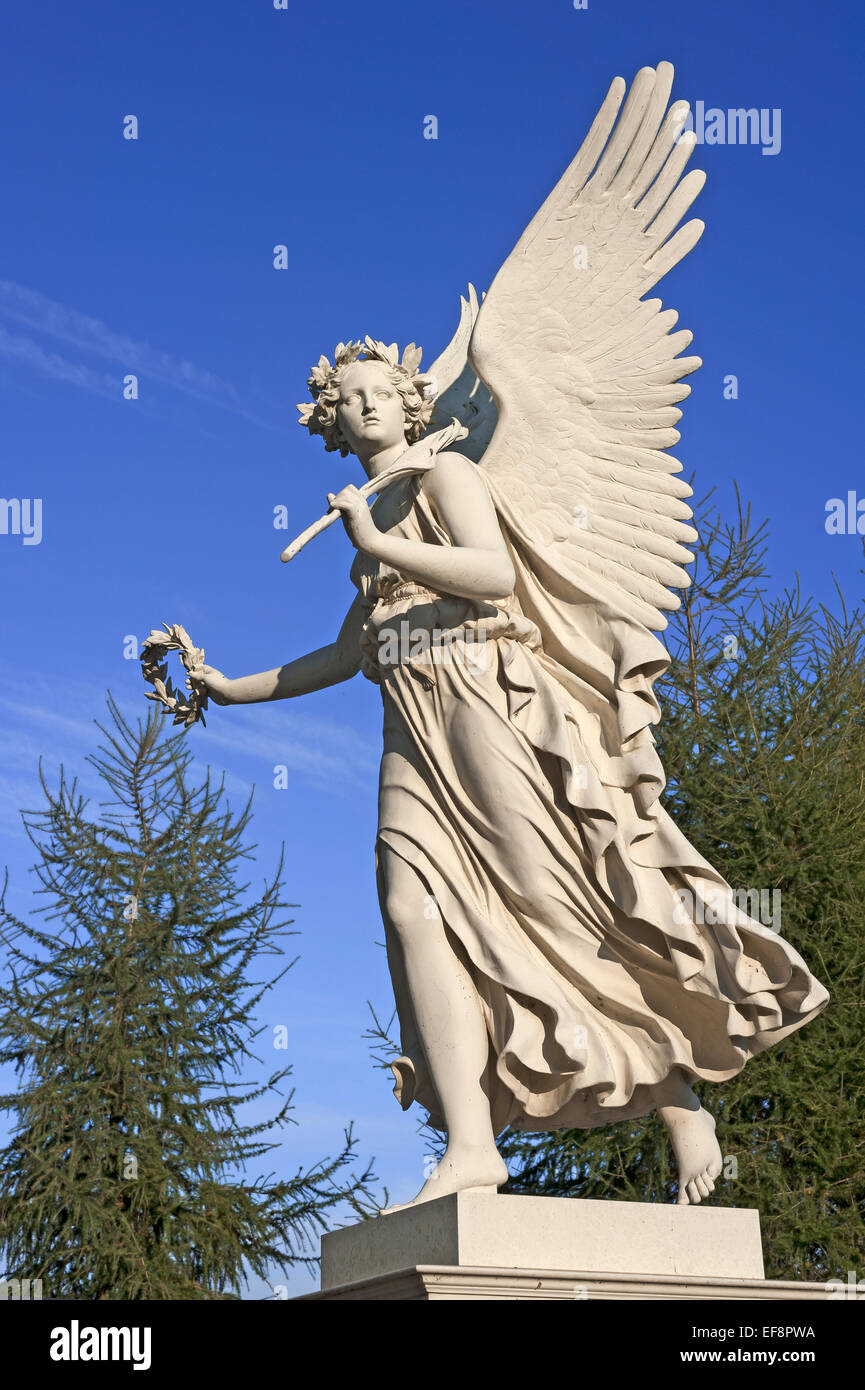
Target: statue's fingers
pixel 340 503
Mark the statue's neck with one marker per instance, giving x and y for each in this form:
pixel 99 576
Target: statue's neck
pixel 377 463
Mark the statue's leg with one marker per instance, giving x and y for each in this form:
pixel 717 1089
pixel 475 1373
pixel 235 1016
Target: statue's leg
pixel 692 1133
pixel 451 1029
pixel 514 827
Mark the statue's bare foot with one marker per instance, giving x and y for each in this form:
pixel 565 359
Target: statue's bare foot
pixel 692 1132
pixel 458 1170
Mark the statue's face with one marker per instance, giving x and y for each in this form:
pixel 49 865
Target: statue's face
pixel 370 411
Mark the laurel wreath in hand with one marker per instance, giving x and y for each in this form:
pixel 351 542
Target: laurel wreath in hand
pixel 187 709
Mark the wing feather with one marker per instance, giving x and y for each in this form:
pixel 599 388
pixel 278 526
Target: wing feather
pixel 585 372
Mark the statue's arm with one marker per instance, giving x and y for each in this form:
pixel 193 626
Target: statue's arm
pixel 338 661
pixel 476 565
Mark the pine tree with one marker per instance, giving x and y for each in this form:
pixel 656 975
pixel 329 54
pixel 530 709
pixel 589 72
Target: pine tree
pixel 128 1015
pixel 762 738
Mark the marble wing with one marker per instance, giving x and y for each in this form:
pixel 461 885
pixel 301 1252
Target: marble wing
pixel 585 373
pixel 458 392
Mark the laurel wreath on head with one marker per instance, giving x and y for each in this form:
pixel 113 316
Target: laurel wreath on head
pixel 186 708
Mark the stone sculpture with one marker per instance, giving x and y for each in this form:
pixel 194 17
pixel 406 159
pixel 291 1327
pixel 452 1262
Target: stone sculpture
pixel 530 880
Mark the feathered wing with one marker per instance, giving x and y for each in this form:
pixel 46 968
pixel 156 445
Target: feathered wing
pixel 585 373
pixel 458 392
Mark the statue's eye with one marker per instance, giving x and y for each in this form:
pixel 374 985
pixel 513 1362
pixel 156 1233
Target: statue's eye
pixel 385 394
pixel 351 397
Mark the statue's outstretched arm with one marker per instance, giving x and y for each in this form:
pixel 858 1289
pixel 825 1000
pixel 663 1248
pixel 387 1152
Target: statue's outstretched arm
pixel 338 661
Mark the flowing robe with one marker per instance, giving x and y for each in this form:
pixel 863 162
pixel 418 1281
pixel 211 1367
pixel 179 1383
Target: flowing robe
pixel 604 950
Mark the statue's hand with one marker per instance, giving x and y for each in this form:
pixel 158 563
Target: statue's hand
pixel 362 530
pixel 216 685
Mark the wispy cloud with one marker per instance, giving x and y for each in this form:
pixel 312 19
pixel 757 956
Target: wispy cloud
pixel 89 335
pixel 321 752
pixel 327 752
pixel 20 349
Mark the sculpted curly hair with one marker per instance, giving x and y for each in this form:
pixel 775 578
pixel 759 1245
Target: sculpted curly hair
pixel 319 414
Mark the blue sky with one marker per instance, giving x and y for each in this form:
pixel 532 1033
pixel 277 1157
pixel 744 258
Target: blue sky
pixel 260 127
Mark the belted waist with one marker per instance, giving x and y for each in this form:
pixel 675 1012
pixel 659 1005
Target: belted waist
pixel 391 588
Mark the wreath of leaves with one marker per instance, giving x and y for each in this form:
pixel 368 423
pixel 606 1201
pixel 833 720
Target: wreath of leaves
pixel 373 350
pixel 186 708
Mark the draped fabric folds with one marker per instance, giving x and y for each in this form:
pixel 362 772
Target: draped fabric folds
pixel 521 782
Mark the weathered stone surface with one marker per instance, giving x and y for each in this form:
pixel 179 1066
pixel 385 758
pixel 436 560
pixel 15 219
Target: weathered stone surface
pixel 475 1245
pixel 485 1230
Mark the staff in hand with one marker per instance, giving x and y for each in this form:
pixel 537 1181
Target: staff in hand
pixel 419 458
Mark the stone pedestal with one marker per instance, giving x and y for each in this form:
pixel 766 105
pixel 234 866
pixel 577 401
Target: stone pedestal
pixel 478 1245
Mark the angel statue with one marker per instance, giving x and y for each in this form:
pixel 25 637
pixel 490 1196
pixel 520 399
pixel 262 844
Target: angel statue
pixel 545 971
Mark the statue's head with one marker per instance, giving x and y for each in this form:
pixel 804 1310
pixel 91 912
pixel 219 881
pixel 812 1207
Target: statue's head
pixel 369 399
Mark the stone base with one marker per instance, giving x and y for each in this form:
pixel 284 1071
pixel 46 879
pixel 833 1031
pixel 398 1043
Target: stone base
pixel 478 1245
pixel 425 1283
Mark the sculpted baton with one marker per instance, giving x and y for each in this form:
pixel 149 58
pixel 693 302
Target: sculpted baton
pixel 417 459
